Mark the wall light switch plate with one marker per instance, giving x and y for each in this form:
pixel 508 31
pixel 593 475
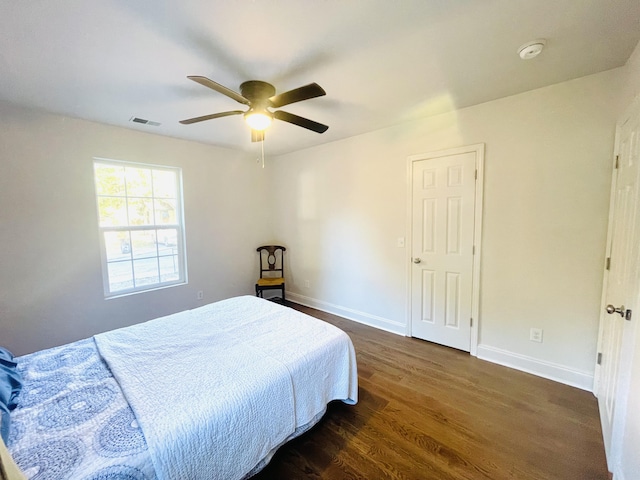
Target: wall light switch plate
pixel 200 295
pixel 400 242
pixel 535 335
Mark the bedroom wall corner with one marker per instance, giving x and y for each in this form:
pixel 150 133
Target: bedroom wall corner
pixel 631 85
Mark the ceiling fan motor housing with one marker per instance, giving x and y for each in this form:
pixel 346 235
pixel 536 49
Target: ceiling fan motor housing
pixel 257 91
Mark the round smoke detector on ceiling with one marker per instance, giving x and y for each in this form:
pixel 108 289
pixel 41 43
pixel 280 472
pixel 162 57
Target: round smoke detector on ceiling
pixel 531 49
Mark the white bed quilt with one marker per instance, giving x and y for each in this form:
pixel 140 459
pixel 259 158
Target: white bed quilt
pixel 203 422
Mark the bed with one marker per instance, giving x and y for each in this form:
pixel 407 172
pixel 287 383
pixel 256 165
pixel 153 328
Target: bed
pixel 207 393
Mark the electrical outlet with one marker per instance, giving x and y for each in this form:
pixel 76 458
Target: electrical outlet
pixel 400 242
pixel 307 284
pixel 535 335
pixel 200 295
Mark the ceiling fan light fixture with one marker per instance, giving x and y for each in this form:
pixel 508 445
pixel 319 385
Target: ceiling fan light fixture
pixel 258 119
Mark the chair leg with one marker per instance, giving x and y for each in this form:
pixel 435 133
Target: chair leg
pixel 283 297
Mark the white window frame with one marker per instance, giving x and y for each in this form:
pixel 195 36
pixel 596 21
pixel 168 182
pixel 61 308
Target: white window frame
pixel 178 226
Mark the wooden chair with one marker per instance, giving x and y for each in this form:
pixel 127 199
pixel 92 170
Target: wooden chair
pixel 271 270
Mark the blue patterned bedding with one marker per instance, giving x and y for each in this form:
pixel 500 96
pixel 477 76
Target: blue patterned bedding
pixel 73 421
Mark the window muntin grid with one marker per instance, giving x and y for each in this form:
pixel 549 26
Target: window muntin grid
pixel 141 227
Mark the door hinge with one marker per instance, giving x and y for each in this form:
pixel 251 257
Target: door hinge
pixel 476 174
pixel 473 250
pixel 599 358
pixel 608 263
pixel 617 161
pixel 471 323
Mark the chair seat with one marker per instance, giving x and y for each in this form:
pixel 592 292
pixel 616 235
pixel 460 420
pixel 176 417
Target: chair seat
pixel 269 282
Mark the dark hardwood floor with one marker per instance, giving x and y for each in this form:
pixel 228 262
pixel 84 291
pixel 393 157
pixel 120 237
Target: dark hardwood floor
pixel 431 412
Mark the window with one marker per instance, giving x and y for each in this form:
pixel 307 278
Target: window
pixel 141 228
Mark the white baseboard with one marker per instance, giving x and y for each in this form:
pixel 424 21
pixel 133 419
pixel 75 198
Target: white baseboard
pixel 541 368
pixel 553 371
pixel 357 316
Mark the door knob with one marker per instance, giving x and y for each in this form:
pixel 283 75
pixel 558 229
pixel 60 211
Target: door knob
pixel 611 309
pixel 416 260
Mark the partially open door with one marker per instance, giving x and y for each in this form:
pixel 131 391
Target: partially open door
pixel 621 283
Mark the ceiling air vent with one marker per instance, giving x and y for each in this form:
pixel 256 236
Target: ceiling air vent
pixel 144 121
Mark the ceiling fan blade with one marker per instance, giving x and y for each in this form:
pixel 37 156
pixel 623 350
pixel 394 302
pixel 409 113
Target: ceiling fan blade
pixel 312 90
pixel 210 117
pixel 300 121
pixel 219 88
pixel 257 135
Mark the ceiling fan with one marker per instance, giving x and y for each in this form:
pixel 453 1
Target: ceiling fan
pixel 260 97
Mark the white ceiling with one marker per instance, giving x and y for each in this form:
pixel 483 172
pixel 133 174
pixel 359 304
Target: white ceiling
pixel 381 62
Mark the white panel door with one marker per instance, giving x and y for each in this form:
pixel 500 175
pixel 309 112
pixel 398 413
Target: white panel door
pixel 442 211
pixel 623 282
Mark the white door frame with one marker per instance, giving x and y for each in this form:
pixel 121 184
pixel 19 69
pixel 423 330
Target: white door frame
pixel 478 149
pixel 605 270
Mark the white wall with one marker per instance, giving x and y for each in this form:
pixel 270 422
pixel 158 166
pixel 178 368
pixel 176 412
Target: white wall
pixel 51 288
pixel 631 78
pixel 548 156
